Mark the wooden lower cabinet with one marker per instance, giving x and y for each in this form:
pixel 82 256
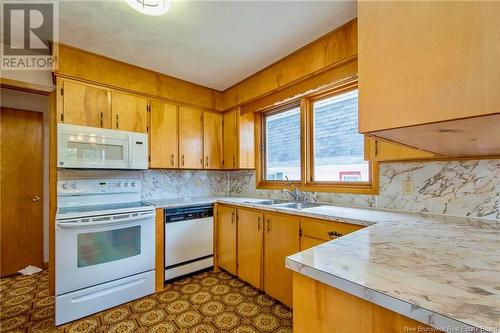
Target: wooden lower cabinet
pixel 250 246
pixel 315 232
pixel 281 239
pixel 253 245
pixel 320 308
pixel 226 238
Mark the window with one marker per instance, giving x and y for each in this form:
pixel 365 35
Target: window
pixel 338 148
pixel 314 142
pixel 282 144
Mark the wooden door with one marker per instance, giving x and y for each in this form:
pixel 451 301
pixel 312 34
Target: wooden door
pixel 21 228
pixel 246 141
pixel 229 160
pixel 212 140
pixel 163 135
pixel 250 246
pixel 226 238
pixel 190 138
pixel 281 239
pixel 129 112
pixel 85 105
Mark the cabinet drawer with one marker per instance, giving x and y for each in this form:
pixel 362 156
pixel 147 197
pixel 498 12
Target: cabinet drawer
pixel 326 230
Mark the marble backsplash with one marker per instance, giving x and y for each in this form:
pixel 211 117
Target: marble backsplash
pixel 461 188
pixel 166 184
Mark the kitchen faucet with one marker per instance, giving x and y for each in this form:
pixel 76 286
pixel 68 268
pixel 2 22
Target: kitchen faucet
pixel 295 194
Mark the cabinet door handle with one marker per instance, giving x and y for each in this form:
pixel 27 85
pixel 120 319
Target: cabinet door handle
pixel 268 225
pixel 117 121
pixel 182 159
pixel 258 224
pixel 232 217
pixel 172 160
pixel 102 119
pixel 234 161
pixel 206 160
pixel 334 234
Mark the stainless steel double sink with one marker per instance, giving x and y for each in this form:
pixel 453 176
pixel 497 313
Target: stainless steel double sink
pixel 287 204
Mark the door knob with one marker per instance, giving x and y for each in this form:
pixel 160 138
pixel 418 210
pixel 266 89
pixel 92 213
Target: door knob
pixel 35 198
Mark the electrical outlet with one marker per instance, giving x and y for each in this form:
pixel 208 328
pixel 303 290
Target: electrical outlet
pixel 407 186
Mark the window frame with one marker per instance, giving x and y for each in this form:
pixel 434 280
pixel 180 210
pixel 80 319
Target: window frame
pixel 261 167
pixel 306 182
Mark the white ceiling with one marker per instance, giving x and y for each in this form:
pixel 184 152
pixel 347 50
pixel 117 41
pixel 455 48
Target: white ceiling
pixel 212 43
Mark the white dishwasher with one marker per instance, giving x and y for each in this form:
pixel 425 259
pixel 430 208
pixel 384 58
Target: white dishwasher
pixel 188 240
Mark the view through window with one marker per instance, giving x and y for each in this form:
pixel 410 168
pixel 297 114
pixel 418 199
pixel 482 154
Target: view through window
pixel 282 145
pixel 338 147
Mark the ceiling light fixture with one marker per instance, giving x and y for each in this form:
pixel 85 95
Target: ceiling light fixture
pixel 150 7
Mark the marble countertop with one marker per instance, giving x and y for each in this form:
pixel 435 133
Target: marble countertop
pixel 440 270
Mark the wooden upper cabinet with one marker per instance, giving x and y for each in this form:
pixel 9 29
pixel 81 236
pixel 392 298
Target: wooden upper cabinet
pixel 84 105
pixel 250 246
pixel 230 140
pixel 239 140
pixel 163 135
pixel 441 61
pixel 246 132
pixel 281 239
pixel 190 138
pixel 380 151
pixel 129 112
pixel 226 238
pixel 212 140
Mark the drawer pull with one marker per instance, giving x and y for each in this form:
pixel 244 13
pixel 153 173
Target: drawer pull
pixel 334 234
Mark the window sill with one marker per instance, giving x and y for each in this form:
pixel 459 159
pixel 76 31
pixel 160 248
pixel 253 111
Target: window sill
pixel 324 187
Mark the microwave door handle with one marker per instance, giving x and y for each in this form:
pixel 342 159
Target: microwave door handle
pixel 75 225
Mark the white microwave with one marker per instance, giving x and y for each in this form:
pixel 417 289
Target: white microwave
pixel 100 148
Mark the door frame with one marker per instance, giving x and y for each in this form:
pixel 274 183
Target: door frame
pixel 50 119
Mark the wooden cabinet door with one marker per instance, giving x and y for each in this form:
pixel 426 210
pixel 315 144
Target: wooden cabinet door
pixel 315 231
pixel 212 140
pixel 250 246
pixel 230 140
pixel 85 105
pixel 281 239
pixel 129 112
pixel 387 151
pixel 226 238
pixel 246 147
pixel 190 138
pixel 434 74
pixel 163 135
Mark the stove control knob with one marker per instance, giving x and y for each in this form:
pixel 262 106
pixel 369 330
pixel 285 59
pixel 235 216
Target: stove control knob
pixel 65 186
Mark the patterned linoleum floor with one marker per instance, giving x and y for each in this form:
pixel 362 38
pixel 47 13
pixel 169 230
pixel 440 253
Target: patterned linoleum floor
pixel 205 302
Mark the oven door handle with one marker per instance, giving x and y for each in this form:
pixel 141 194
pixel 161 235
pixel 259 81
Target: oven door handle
pixel 112 221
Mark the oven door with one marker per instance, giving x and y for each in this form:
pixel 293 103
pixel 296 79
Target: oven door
pixel 90 253
pixel 87 147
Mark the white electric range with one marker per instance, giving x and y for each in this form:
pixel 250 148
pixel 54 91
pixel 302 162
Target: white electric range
pixel 104 244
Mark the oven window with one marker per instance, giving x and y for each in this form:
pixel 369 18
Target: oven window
pixel 106 246
pixel 94 151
